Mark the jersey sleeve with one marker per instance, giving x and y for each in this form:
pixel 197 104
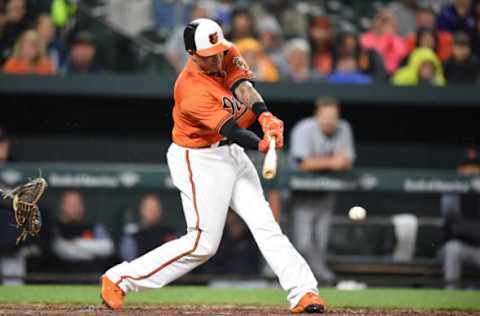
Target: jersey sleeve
pixel 205 111
pixel 235 67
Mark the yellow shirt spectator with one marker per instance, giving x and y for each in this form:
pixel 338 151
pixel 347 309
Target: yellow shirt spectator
pixel 256 59
pixel 423 66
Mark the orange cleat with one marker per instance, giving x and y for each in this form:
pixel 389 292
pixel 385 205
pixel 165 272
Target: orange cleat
pixel 310 303
pixel 112 295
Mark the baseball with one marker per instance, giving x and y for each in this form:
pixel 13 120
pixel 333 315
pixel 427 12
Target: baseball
pixel 357 213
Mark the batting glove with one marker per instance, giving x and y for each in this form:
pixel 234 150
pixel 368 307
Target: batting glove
pixel 272 127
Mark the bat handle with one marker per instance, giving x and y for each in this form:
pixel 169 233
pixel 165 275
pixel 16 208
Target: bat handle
pixel 272 144
pixel 270 163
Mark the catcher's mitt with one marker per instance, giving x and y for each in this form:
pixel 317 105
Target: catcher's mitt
pixel 27 213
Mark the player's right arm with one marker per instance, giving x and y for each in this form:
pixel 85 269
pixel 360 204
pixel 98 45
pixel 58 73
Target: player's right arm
pixel 238 79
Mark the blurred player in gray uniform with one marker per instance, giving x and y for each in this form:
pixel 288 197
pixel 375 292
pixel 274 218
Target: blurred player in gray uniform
pixel 323 143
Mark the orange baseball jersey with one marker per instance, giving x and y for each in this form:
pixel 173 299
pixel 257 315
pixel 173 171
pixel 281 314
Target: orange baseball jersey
pixel 204 103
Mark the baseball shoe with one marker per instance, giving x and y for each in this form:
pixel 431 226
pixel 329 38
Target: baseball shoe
pixel 309 303
pixel 112 295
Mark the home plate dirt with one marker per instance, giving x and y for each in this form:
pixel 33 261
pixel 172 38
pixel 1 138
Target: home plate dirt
pixel 152 310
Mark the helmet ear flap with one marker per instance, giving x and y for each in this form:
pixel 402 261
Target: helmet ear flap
pixel 189 38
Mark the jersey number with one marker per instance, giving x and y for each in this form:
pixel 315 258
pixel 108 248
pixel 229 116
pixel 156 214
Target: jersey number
pixel 231 105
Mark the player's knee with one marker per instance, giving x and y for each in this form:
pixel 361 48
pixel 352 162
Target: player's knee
pixel 207 247
pixel 453 248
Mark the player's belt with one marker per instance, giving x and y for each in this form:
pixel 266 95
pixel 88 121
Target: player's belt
pixel 224 142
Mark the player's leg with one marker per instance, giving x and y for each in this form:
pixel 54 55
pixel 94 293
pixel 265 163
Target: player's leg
pixel 249 202
pixel 303 216
pixel 323 221
pixel 206 188
pixel 325 206
pixel 304 219
pixel 456 253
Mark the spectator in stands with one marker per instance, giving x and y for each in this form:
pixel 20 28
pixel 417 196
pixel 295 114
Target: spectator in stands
pixel 131 17
pixel 175 47
pixel 29 56
pixel 322 143
pixel 405 13
pixel 16 23
pixel 256 60
pixel 270 35
pixel 436 5
pixel 243 25
pixel 46 30
pixel 79 246
pixel 426 20
pixel 237 253
pixel 476 39
pixel 5 155
pixel 458 17
pixel 169 15
pixel 423 68
pixel 369 62
pixel 384 38
pixel 295 23
pixel 462 67
pixel 63 13
pixel 321 41
pixel 427 38
pixel 149 233
pixel 3 17
pixel 297 53
pixel 81 59
pixel 221 11
pixel 346 71
pixel 461 214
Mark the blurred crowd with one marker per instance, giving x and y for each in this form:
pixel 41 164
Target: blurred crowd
pixel 404 42
pixel 40 37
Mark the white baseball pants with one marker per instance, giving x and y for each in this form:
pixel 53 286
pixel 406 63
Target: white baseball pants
pixel 210 181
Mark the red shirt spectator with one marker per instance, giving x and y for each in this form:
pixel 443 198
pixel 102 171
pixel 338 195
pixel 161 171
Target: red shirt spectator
pixel 321 37
pixel 426 19
pixel 444 48
pixel 384 39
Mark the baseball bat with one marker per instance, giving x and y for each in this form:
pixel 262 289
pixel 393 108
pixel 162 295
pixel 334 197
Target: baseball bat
pixel 270 163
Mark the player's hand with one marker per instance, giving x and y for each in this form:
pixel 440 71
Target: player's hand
pixel 268 121
pixel 272 127
pixel 264 144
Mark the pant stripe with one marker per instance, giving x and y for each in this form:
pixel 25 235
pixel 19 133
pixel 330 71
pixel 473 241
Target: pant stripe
pixel 197 229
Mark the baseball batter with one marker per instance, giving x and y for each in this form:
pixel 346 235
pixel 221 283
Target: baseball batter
pixel 215 101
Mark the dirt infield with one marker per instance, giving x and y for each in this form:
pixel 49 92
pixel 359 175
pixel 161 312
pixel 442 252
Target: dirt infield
pixel 79 310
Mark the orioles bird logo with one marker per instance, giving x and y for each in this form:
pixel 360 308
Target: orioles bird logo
pixel 240 63
pixel 213 38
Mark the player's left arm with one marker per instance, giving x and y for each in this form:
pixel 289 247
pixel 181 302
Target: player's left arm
pixel 246 93
pixel 272 126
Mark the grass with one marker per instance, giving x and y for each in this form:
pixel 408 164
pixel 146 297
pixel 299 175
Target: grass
pixel 191 295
